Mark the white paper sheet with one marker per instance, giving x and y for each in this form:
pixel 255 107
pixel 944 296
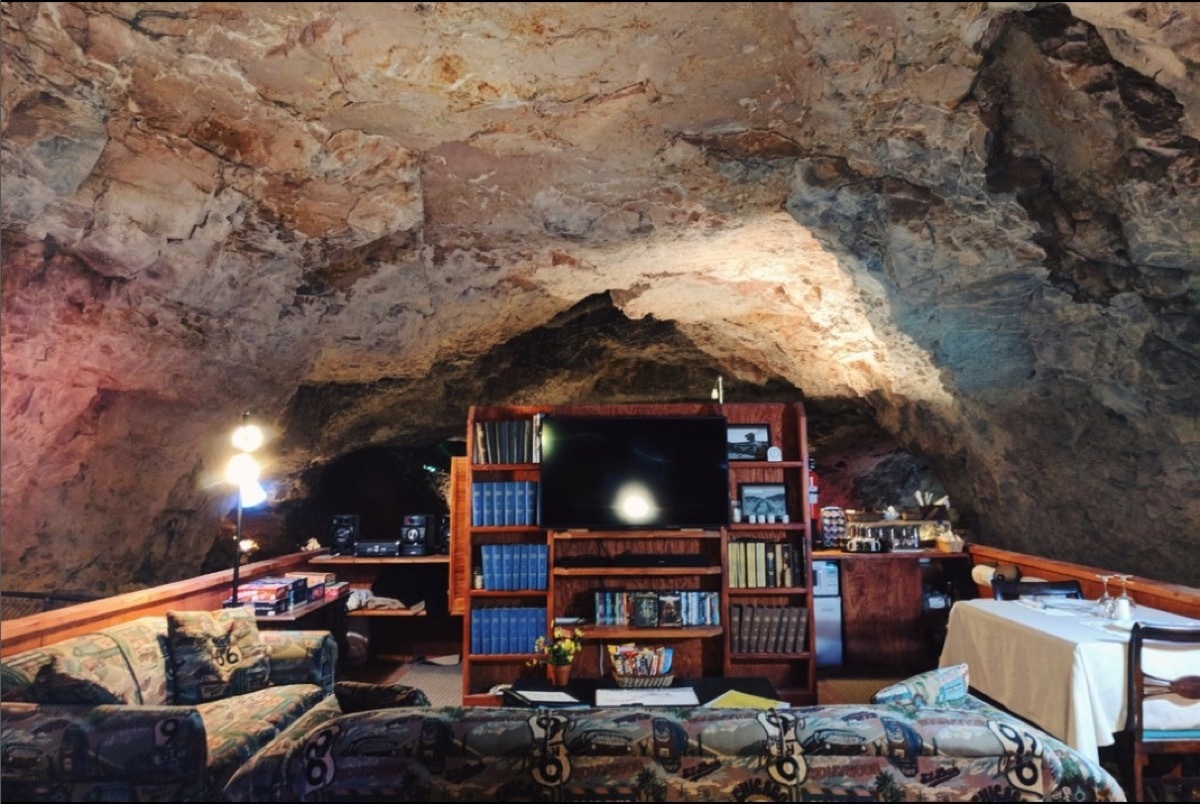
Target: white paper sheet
pixel 666 696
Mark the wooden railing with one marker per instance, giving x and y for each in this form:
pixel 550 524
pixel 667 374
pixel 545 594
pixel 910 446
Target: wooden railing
pixel 1183 600
pixel 203 593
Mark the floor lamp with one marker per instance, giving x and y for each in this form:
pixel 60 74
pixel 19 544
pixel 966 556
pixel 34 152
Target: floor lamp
pixel 243 472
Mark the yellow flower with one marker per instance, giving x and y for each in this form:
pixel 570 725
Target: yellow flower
pixel 560 648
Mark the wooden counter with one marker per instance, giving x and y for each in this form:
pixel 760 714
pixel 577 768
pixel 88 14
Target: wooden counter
pixel 884 621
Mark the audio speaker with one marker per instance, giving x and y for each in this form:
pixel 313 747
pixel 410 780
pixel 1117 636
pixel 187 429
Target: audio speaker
pixel 414 534
pixel 438 538
pixel 345 534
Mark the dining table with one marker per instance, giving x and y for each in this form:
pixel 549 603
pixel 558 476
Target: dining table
pixel 1060 664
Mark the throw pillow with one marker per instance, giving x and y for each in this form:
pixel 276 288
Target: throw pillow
pixel 55 684
pixel 215 654
pixel 943 688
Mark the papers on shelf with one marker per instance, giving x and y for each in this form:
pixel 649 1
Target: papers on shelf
pixel 543 698
pixel 733 699
pixel 648 696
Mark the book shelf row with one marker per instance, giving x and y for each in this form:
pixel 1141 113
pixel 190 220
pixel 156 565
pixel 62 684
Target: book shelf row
pixel 506 629
pixel 648 608
pixel 504 502
pixel 760 564
pixel 507 441
pixel 511 567
pixel 768 629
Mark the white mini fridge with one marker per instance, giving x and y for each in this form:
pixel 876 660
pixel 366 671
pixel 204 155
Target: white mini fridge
pixel 827 613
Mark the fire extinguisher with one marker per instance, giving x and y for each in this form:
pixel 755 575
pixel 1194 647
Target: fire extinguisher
pixel 814 505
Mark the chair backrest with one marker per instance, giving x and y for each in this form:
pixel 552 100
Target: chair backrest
pixel 1142 686
pixel 1011 590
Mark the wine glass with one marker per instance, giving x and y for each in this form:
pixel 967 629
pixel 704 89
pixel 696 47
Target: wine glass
pixel 1105 603
pixel 1123 603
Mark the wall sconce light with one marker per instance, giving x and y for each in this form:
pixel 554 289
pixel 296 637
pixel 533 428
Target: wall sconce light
pixel 718 391
pixel 242 471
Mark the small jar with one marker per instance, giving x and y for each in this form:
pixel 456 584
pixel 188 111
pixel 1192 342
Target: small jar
pixel 736 512
pixel 477 578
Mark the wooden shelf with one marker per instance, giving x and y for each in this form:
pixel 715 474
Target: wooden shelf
pixel 637 535
pixel 641 572
pixel 503 658
pixel 494 594
pixel 385 613
pixel 621 632
pixel 740 527
pixel 328 560
pixel 764 591
pixel 770 657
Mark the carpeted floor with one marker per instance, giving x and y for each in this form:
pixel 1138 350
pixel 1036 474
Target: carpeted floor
pixel 442 683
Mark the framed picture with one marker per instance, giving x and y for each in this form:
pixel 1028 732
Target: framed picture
pixel 747 442
pixel 763 502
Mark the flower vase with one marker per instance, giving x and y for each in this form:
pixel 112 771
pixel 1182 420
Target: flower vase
pixel 559 674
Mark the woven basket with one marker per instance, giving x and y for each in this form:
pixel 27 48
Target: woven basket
pixel 642 682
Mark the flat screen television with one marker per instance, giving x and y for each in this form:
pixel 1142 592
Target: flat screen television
pixel 634 473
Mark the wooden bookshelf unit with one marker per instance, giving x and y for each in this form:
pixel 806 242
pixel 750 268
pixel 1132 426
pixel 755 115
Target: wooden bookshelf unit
pixel 502 449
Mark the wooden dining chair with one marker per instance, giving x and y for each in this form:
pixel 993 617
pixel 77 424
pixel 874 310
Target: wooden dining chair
pixel 1012 590
pixel 1142 687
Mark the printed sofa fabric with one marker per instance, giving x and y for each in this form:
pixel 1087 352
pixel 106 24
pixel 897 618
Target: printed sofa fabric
pixel 677 754
pixel 86 669
pixel 944 688
pixel 215 654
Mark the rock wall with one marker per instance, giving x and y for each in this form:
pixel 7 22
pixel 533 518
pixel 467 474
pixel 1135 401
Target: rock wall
pixel 976 223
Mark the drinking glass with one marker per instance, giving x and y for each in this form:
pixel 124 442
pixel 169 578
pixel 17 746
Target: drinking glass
pixel 1123 603
pixel 1105 603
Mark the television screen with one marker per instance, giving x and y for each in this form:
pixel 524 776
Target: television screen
pixel 623 473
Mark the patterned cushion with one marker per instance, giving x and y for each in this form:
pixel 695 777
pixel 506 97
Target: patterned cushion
pixel 942 688
pixel 355 696
pixel 56 685
pixel 215 654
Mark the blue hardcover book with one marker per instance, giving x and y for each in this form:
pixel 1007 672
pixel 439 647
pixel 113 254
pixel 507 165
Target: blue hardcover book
pixel 542 555
pixel 510 502
pixel 519 503
pixel 488 560
pixel 476 631
pixel 489 508
pixel 531 509
pixel 505 630
pixel 527 560
pixel 507 564
pixel 476 504
pixel 485 626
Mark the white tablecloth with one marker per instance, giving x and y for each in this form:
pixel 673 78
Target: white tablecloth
pixel 1063 668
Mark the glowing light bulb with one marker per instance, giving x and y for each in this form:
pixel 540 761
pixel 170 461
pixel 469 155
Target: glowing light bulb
pixel 241 469
pixel 252 493
pixel 248 437
pixel 635 504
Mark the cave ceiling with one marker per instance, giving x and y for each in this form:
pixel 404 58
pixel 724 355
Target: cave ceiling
pixel 975 222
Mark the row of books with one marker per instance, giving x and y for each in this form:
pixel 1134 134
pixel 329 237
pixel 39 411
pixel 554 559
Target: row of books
pixel 646 608
pixel 765 564
pixel 768 629
pixel 504 502
pixel 508 441
pixel 514 566
pixel 506 630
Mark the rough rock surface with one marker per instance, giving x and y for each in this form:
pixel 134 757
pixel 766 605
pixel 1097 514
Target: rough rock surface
pixel 976 224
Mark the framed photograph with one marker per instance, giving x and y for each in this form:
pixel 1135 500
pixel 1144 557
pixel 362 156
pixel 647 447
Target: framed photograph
pixel 763 502
pixel 747 442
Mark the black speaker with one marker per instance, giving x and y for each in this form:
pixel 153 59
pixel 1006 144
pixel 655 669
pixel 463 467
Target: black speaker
pixel 437 540
pixel 345 534
pixel 414 534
